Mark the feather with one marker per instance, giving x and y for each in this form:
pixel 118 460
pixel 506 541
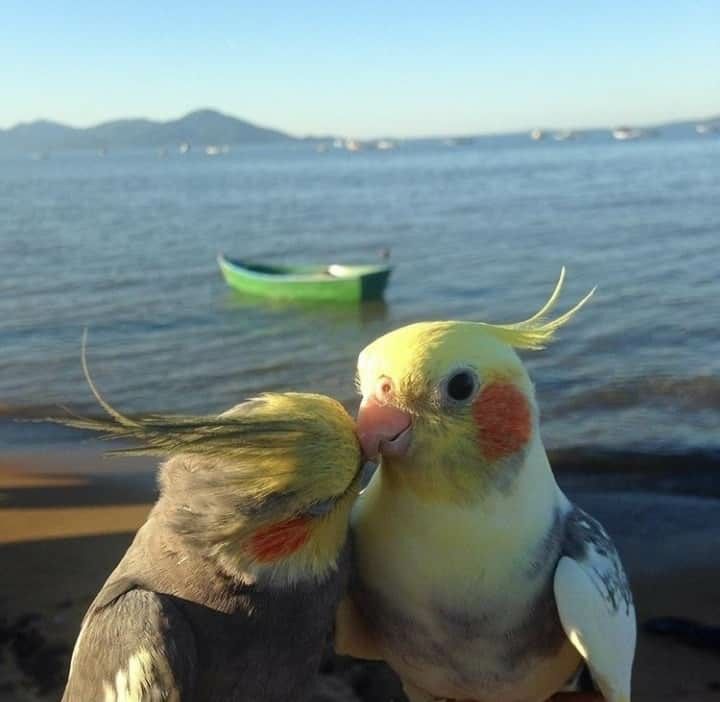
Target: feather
pixel 547 307
pixel 298 444
pixel 117 416
pixel 595 605
pixel 535 332
pixel 270 421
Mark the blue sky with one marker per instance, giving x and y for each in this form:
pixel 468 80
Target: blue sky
pixel 363 69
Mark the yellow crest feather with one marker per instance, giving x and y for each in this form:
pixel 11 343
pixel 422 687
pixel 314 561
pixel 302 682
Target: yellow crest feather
pixel 268 431
pixel 536 331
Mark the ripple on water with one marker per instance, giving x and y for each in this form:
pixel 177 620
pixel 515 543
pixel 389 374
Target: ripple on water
pixel 126 246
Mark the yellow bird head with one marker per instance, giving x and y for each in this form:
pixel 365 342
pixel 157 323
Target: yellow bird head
pixel 449 405
pixel 265 487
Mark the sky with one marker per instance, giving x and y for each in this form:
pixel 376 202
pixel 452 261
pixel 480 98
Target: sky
pixel 362 69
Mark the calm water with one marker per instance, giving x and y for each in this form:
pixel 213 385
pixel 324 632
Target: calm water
pixel 126 245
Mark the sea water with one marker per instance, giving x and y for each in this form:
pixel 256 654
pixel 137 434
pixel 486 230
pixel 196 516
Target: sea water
pixel 125 245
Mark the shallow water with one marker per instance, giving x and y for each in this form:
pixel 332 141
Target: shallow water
pixel 126 245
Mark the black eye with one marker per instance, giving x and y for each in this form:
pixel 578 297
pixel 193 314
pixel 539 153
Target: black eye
pixel 461 385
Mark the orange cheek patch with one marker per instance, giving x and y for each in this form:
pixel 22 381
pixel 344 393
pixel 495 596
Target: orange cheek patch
pixel 502 415
pixel 280 540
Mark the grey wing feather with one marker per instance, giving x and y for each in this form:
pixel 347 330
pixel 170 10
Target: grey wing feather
pixel 595 605
pixel 587 542
pixel 138 648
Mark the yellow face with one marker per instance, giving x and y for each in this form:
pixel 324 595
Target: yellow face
pixel 299 445
pixel 313 477
pixel 272 495
pixel 467 403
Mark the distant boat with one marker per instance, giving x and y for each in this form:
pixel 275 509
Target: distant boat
pixel 39 155
pixel 627 133
pixel 334 283
pixel 707 129
pixel 537 134
pixel 184 147
pixel 212 150
pixel 379 145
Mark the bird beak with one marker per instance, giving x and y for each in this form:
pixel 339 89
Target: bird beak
pixel 383 429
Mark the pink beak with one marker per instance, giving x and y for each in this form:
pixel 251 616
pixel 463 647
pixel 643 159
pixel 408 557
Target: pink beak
pixel 383 429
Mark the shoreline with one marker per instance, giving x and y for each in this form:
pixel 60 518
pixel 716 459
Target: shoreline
pixel 682 472
pixel 26 432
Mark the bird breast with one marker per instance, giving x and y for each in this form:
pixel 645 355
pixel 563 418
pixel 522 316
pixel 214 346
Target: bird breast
pixel 462 609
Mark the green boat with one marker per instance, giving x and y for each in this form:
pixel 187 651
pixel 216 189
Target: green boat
pixel 336 283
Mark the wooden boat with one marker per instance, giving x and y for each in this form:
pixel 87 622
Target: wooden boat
pixel 329 283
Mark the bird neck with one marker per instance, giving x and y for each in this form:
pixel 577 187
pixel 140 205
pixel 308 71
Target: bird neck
pixel 505 516
pixel 451 467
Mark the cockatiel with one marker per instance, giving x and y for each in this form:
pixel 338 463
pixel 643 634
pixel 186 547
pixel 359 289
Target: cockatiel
pixel 476 578
pixel 229 589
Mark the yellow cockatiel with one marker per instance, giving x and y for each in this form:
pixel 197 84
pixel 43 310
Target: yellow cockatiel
pixel 476 578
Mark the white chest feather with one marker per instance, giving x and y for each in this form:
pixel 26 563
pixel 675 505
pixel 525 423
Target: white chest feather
pixel 462 597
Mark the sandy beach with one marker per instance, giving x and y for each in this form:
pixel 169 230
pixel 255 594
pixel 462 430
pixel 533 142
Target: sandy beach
pixel 65 520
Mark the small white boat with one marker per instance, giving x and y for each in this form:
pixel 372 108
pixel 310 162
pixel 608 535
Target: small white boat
pixel 212 150
pixel 384 144
pixel 184 147
pixel 627 133
pixel 537 134
pixel 704 129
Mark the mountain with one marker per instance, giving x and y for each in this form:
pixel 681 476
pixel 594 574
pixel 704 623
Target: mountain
pixel 201 127
pixel 210 127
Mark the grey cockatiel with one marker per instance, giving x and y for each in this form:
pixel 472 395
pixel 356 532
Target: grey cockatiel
pixel 476 578
pixel 228 591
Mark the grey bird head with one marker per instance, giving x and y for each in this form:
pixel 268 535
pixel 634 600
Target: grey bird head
pixel 266 488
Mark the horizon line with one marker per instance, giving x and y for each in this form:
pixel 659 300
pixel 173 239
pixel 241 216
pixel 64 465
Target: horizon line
pixel 294 135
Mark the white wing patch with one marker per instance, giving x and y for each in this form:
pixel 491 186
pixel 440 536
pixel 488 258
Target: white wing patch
pixel 595 605
pixel 134 683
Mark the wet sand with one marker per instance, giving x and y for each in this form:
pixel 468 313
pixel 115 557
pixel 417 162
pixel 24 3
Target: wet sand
pixel 65 521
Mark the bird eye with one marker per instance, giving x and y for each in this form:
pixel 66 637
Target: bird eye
pixel 461 385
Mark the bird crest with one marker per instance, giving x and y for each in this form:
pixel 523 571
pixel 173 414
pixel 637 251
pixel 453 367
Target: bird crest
pixel 299 442
pixel 537 331
pixel 270 422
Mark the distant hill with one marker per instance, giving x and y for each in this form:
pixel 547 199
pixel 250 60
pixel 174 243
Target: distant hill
pixel 210 127
pixel 201 127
